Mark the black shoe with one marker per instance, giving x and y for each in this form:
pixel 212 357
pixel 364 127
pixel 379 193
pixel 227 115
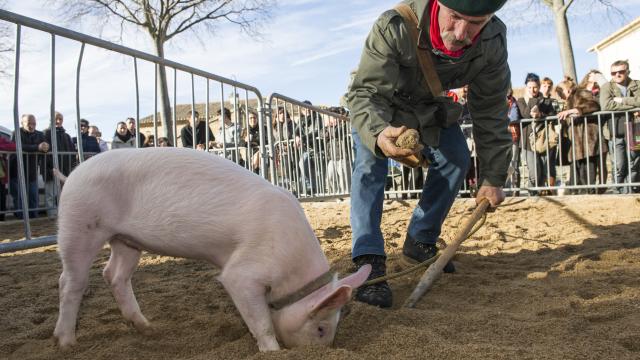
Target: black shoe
pixel 377 294
pixel 415 252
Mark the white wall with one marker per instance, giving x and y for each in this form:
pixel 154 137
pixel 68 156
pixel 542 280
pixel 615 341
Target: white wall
pixel 626 48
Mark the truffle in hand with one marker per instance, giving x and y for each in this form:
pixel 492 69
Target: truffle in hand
pixel 409 139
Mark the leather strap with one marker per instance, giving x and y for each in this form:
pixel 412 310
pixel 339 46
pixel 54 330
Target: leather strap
pixel 316 284
pixel 424 57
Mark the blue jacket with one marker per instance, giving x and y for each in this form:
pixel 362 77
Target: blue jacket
pixel 89 144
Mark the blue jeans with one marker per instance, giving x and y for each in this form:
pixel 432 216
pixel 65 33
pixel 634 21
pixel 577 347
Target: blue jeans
pixel 32 190
pixel 624 168
pixel 449 164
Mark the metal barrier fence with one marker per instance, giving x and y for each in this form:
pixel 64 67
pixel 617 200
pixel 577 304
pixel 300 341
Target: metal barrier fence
pixel 42 187
pixel 228 143
pixel 594 153
pixel 309 148
pixel 309 151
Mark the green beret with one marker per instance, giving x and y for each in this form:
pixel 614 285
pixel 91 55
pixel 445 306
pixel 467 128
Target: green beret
pixel 474 7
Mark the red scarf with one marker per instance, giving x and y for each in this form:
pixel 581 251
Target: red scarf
pixel 436 39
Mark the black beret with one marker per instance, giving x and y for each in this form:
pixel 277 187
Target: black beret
pixel 474 7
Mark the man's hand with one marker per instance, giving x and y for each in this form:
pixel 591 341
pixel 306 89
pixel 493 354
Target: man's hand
pixel 494 194
pixel 535 112
pixel 386 141
pixel 43 147
pixel 565 114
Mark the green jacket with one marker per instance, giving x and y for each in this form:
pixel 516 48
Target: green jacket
pixel 389 89
pixel 610 90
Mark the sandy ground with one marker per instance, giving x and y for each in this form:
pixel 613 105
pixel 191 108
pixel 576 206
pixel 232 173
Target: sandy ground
pixel 555 278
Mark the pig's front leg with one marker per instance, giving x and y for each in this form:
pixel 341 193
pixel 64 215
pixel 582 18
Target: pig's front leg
pixel 250 300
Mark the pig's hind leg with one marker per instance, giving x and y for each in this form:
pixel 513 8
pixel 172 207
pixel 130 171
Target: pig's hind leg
pixel 78 249
pixel 118 272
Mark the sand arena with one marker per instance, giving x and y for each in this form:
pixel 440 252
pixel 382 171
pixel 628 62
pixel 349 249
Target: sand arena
pixel 555 278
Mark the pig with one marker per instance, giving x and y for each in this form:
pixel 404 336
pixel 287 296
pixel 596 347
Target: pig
pixel 190 204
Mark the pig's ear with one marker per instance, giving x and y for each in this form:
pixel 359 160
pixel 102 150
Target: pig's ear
pixel 342 292
pixel 332 301
pixel 356 279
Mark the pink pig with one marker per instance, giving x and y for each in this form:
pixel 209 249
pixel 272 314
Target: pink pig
pixel 186 203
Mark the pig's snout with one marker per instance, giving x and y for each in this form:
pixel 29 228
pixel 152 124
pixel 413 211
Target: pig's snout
pixel 314 319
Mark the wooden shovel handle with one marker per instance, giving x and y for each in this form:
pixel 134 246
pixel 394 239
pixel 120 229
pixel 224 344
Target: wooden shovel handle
pixel 434 271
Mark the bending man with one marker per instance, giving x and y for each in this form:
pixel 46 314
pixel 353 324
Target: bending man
pixel 467 45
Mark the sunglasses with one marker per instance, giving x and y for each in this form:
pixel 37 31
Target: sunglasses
pixel 621 72
pixel 83 125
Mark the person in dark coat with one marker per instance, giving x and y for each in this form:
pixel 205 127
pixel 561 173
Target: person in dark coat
pixel 90 144
pixel 251 137
pixel 66 158
pixel 186 134
pixel 535 106
pixel 33 143
pixel 307 132
pixel 131 128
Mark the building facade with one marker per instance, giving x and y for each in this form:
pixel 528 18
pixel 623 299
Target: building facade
pixel 621 45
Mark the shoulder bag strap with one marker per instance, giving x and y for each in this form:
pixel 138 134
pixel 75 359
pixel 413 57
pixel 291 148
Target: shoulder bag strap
pixel 424 58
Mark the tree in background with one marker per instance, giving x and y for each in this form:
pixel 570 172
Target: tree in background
pixel 164 19
pixel 559 9
pixel 6 44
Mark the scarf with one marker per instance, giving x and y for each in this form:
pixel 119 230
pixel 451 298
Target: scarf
pixel 436 39
pixel 126 137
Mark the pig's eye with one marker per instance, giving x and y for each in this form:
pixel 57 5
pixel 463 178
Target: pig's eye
pixel 321 331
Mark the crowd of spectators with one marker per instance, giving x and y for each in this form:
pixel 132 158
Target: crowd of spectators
pixel 38 146
pixel 299 147
pixel 551 127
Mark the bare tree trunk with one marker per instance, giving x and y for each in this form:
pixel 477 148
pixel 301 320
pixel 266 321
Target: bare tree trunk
pixel 564 38
pixel 163 90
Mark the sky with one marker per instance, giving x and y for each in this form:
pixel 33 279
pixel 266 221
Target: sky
pixel 306 52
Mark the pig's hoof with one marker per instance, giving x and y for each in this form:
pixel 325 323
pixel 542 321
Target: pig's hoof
pixel 66 344
pixel 144 328
pixel 268 345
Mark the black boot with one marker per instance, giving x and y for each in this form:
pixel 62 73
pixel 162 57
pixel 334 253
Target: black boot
pixel 377 294
pixel 415 252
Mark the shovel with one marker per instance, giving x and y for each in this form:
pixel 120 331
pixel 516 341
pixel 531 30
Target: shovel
pixel 433 272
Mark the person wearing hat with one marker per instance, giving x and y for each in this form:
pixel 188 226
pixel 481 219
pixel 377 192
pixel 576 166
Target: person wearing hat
pixel 467 46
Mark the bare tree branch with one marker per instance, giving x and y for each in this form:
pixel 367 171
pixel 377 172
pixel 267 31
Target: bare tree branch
pixel 113 6
pixel 617 12
pixel 190 22
pixel 164 19
pixel 560 8
pixel 566 6
pixel 6 46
